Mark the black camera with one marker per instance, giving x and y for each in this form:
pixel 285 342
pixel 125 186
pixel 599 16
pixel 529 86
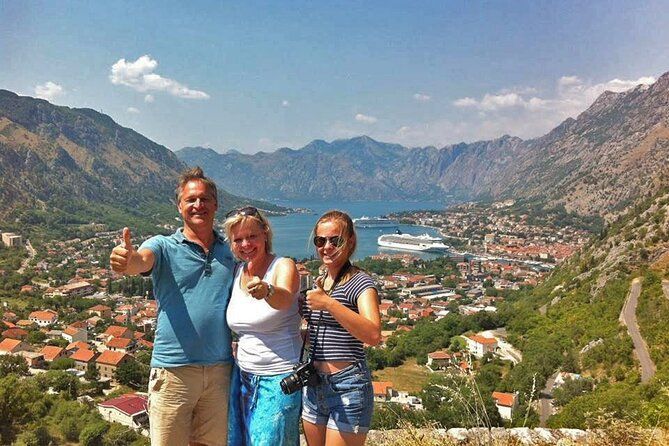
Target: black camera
pixel 304 374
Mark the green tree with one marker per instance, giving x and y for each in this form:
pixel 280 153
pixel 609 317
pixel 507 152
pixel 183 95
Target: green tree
pixel 10 364
pixel 34 435
pixel 132 374
pixel 21 402
pixel 35 337
pixel 92 373
pixel 62 364
pixel 119 435
pixel 93 433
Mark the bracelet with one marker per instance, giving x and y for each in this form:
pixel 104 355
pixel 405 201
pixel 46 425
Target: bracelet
pixel 270 291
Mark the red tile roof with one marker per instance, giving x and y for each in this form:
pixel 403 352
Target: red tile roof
pixel 77 345
pixel 117 331
pixel 381 387
pixel 504 399
pixel 482 339
pixel 130 403
pixel 439 355
pixel 100 308
pixel 8 345
pixel 51 352
pixel 111 358
pixel 46 315
pixel 119 343
pixel 15 333
pixel 83 355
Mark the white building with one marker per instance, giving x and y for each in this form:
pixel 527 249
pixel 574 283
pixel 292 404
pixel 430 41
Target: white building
pixel 128 410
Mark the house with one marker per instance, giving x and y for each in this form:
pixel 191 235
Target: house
pixel 72 334
pixel 81 288
pixel 82 358
pixel 116 331
pixel 109 361
pixel 92 321
pixel 480 345
pixel 15 333
pixel 128 410
pixel 102 311
pixel 506 404
pixel 382 390
pixel 52 352
pixel 439 359
pixel 11 346
pixel 43 318
pixel 123 345
pixel 33 359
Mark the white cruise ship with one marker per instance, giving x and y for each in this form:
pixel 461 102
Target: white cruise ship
pixel 410 242
pixel 374 222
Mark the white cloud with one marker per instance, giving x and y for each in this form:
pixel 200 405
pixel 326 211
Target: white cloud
pixel 518 111
pixel 421 97
pixel 139 76
pixel 149 98
pixel 49 91
pixel 285 103
pixel 132 110
pixel 365 118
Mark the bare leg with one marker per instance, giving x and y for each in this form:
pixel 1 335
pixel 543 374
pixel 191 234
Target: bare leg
pixel 314 433
pixel 337 438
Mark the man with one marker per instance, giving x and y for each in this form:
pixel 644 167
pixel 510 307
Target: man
pixel 192 272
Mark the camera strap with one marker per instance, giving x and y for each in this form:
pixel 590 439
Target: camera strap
pixel 335 283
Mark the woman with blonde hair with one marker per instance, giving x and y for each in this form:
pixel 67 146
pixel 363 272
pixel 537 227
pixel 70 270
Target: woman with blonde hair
pixel 343 316
pixel 263 311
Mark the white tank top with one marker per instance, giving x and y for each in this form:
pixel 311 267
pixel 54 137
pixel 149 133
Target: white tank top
pixel 269 339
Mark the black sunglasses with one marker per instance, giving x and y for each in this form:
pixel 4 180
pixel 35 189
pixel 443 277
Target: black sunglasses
pixel 337 241
pixel 247 211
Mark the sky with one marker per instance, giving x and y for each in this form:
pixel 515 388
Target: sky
pixel 254 76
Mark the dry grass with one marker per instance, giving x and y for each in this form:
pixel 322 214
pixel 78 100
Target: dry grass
pixel 409 376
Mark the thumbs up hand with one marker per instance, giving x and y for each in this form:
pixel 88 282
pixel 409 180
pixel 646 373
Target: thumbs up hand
pixel 257 288
pixel 121 254
pixel 318 299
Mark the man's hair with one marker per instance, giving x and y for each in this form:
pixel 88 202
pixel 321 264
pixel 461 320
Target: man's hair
pixel 194 174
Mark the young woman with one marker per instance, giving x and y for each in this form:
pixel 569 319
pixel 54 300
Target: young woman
pixel 343 315
pixel 263 311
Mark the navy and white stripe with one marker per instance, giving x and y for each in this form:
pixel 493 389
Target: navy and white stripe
pixel 330 341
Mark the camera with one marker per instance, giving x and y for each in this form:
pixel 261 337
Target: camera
pixel 304 374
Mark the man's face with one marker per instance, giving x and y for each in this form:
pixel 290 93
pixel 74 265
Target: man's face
pixel 197 205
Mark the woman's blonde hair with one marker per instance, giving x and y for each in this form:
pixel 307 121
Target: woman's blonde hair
pixel 241 217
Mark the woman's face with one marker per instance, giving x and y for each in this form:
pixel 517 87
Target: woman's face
pixel 249 240
pixel 330 254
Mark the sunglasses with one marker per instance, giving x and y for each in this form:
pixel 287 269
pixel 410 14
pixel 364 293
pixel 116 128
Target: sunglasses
pixel 337 241
pixel 246 211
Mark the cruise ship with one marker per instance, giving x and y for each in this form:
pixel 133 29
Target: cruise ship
pixel 374 222
pixel 410 242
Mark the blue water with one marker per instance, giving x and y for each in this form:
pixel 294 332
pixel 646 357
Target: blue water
pixel 292 232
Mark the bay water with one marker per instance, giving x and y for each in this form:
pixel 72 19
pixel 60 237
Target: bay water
pixel 292 233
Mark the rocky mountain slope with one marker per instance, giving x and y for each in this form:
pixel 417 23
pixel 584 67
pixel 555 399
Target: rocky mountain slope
pixel 56 161
pixel 595 164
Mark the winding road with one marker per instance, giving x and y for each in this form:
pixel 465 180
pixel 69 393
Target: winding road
pixel 26 261
pixel 545 400
pixel 628 318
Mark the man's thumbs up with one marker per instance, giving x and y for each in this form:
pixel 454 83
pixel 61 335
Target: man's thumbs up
pixel 127 243
pixel 121 254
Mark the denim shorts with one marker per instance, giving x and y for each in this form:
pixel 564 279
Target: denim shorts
pixel 343 401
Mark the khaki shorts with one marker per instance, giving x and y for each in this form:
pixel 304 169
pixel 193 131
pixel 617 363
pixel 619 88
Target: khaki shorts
pixel 189 404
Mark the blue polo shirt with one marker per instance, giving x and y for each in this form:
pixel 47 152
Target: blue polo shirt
pixel 192 290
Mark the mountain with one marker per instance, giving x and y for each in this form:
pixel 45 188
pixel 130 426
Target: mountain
pixel 68 166
pixel 596 164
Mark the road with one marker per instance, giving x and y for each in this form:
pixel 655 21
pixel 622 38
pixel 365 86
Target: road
pixel 628 318
pixel 505 350
pixel 26 261
pixel 545 400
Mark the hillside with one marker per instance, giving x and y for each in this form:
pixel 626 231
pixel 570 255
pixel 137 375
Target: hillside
pixel 595 164
pixel 62 168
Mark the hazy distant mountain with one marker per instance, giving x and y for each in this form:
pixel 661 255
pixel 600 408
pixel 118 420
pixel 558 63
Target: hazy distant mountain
pixel 595 164
pixel 65 160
